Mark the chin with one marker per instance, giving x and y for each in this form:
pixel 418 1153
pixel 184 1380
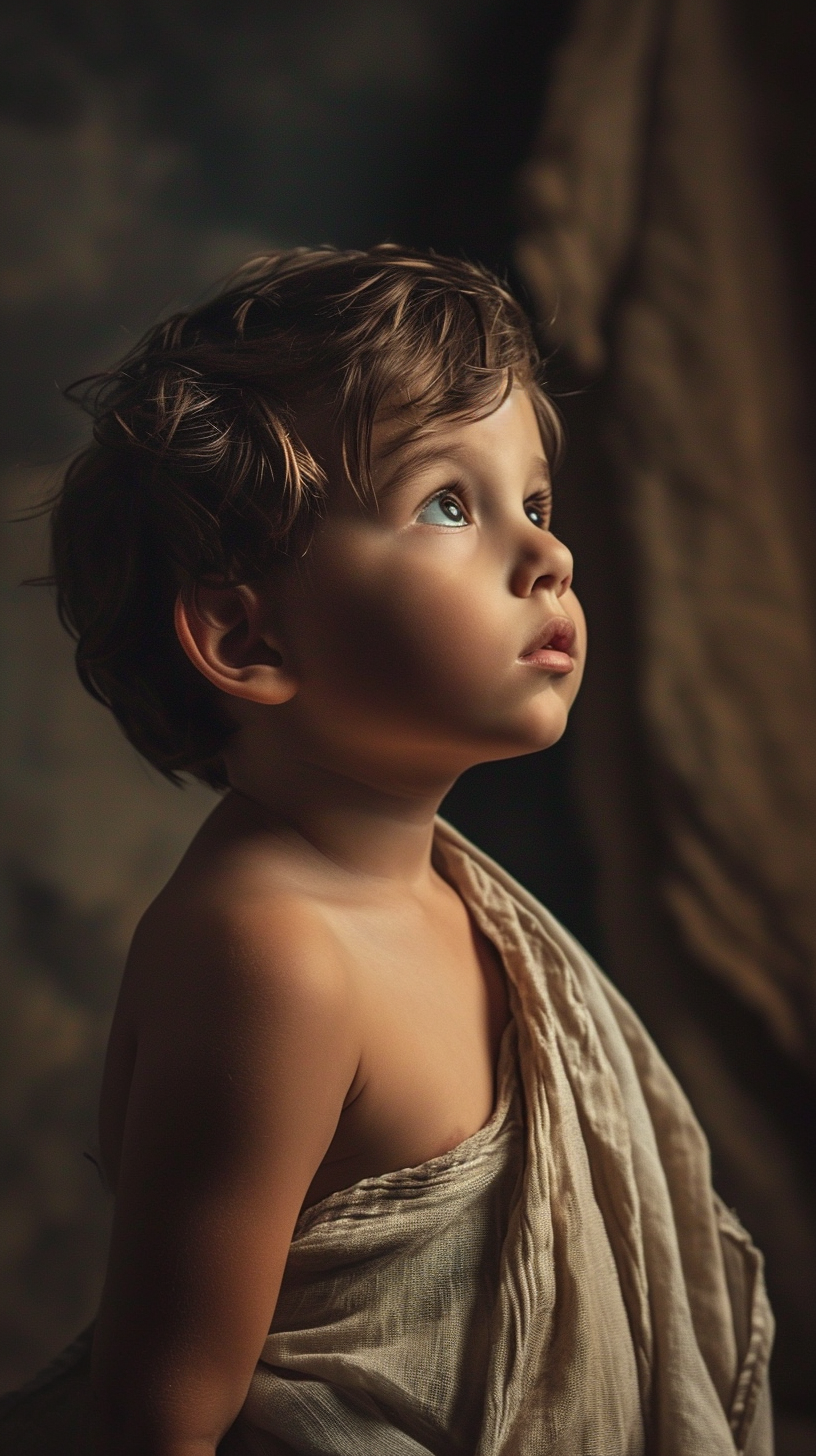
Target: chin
pixel 538 730
pixel 537 742
pixel 544 723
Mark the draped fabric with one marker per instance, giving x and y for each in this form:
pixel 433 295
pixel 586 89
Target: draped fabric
pixel 565 1281
pixel 569 1286
pixel 648 246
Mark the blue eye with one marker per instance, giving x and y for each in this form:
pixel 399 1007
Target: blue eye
pixel 538 514
pixel 443 510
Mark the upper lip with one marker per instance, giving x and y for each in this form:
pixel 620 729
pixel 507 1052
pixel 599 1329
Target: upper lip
pixel 558 633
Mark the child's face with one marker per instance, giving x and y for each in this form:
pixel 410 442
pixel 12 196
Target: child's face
pixel 411 624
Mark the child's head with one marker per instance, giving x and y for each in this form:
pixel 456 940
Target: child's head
pixel 227 436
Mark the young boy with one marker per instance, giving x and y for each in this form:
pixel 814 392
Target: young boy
pixel 396 1170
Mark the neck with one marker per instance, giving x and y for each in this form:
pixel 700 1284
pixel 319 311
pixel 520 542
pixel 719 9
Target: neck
pixel 363 826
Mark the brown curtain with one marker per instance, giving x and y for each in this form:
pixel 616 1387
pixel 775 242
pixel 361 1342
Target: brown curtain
pixel 649 244
pixel 649 252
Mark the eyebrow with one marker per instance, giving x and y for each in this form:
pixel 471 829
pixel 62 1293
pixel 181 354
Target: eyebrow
pixel 418 456
pixel 541 469
pixel 415 458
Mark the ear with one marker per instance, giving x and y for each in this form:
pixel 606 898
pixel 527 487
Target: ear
pixel 225 632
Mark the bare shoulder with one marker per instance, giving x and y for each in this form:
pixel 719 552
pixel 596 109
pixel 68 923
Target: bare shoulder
pixel 234 942
pixel 236 996
pixel 233 1047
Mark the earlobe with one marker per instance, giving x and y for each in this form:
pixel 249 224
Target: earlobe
pixel 223 632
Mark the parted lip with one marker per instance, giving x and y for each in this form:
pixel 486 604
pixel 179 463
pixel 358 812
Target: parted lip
pixel 558 633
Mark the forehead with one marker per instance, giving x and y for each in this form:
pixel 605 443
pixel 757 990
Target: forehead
pixel 402 447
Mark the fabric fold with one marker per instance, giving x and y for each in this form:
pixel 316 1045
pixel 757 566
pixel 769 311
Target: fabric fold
pixel 562 1283
pixel 557 1283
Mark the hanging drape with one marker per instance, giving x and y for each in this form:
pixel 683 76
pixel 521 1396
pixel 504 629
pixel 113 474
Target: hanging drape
pixel 649 250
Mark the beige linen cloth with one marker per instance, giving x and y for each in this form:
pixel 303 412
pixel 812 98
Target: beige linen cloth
pixel 563 1282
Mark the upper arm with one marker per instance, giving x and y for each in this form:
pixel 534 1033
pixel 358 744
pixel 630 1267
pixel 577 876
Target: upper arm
pixel 245 1051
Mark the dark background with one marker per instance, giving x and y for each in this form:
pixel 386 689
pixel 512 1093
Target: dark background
pixel 145 150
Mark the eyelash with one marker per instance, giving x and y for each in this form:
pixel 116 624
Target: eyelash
pixel 541 503
pixel 454 492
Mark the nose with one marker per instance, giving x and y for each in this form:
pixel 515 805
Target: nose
pixel 543 564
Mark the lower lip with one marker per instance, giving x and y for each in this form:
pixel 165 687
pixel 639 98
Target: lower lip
pixel 550 660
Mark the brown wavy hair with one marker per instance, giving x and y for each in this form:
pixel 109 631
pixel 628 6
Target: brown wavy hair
pixel 198 470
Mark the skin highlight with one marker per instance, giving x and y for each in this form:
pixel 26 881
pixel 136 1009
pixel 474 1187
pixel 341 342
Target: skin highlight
pixel 308 1003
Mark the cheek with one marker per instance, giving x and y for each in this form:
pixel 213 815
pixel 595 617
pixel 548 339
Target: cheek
pixel 420 639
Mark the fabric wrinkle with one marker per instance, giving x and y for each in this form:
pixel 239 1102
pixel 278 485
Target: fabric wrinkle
pixel 557 1282
pixel 562 1283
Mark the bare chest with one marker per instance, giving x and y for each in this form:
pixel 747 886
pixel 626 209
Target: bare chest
pixel 433 1009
